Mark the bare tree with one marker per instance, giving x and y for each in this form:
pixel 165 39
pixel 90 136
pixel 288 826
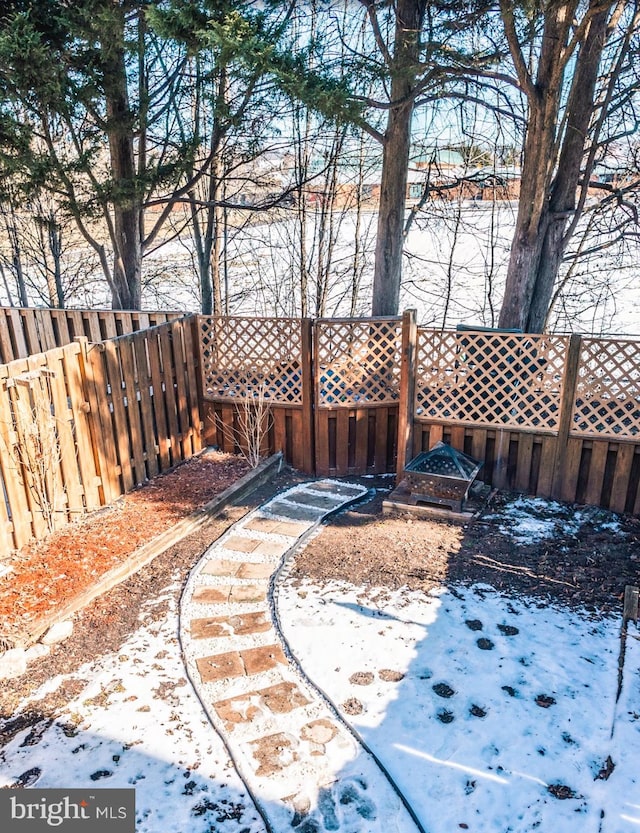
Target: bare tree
pixel 579 79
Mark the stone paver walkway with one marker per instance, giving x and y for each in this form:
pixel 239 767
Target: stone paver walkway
pixel 304 768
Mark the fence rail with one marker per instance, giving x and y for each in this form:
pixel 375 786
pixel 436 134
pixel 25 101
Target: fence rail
pixel 103 417
pixel 25 331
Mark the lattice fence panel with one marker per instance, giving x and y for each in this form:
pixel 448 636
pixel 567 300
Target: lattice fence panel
pixel 358 362
pixel 242 357
pixel 608 389
pixel 505 379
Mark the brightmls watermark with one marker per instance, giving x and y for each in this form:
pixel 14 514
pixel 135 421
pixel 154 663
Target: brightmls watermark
pixel 67 811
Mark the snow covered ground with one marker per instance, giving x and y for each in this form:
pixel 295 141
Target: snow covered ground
pixel 454 269
pixel 491 713
pixel 136 722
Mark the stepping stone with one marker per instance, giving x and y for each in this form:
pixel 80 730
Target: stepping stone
pixel 240 663
pixel 336 488
pixel 296 513
pixel 276 699
pixel 239 593
pixel 222 567
pixel 210 595
pixel 324 502
pixel 220 667
pixel 238 625
pixel 238 543
pixel 257 660
pixel 273 549
pixel 274 753
pixel 232 593
pixel 273 526
pixel 250 570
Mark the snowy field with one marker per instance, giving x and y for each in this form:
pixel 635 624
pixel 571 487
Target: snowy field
pixel 454 270
pixel 491 713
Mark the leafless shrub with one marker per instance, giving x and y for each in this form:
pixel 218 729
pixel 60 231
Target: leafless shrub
pixel 254 418
pixel 34 447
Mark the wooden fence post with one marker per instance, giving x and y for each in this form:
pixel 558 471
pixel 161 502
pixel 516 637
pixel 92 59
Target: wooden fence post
pixel 407 389
pixel 569 383
pixel 308 396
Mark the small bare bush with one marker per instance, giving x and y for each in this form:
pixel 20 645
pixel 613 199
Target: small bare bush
pixel 254 418
pixel 34 447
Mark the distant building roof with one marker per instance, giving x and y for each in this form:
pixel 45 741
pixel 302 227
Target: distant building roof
pixel 438 156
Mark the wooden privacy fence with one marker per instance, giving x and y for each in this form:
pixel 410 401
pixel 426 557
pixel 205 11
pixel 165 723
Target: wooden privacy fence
pixel 98 419
pixel 332 387
pixel 25 331
pixel 556 416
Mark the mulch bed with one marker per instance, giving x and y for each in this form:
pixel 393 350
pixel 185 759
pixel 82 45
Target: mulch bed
pixel 46 574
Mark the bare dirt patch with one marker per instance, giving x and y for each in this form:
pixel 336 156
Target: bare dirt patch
pixel 589 567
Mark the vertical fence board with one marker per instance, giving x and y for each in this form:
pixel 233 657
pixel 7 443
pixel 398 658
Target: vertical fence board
pixel 114 377
pixel 91 322
pixel 132 408
pixel 159 407
pixel 44 327
pixel 21 350
pixel 624 461
pixel 279 430
pixel 571 470
pixel 60 327
pixel 457 437
pixel 523 469
pixel 322 442
pixel 108 325
pixel 64 416
pixel 407 388
pixel 544 486
pixel 296 429
pixel 6 346
pixel 166 356
pixel 342 441
pixel 381 416
pixel 150 444
pixel 501 461
pixel 362 439
pixel 228 429
pixel 11 474
pixel 478 443
pixel 194 398
pixel 30 331
pixel 597 466
pixel 179 367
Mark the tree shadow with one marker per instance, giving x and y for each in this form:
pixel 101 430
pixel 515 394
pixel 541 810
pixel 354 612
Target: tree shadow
pixel 480 717
pixel 170 798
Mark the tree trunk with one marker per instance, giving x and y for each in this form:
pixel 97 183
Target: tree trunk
pixel 395 160
pixel 127 207
pixel 552 169
pixel 55 247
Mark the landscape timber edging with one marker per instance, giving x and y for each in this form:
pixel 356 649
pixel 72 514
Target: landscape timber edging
pixel 147 552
